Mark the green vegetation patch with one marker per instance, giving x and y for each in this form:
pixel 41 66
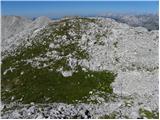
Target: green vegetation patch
pixel 43 85
pixel 149 114
pixel 110 116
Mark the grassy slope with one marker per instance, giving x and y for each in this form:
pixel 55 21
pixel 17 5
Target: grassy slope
pixel 42 85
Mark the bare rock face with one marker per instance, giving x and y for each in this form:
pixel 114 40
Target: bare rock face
pixel 12 25
pixel 94 44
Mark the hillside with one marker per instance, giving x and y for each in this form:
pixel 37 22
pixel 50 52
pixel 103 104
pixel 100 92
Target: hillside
pixel 80 68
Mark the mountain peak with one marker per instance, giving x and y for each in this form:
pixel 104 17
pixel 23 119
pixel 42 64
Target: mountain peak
pixel 77 61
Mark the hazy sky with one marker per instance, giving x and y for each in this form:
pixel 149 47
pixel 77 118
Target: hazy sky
pixel 61 8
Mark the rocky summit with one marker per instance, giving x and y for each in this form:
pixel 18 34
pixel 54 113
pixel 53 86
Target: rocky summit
pixel 78 67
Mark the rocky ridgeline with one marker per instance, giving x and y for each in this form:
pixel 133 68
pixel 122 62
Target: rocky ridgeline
pixel 118 62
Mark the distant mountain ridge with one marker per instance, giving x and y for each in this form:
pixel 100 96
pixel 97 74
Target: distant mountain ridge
pixel 149 21
pixel 12 25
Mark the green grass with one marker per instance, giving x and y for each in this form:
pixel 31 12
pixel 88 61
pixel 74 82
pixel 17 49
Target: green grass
pixel 110 116
pixel 88 20
pixel 37 84
pixel 149 114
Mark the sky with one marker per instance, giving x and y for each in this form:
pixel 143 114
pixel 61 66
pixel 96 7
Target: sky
pixel 71 8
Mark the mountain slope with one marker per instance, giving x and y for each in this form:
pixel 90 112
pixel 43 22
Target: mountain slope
pixel 77 62
pixel 16 29
pixel 12 25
